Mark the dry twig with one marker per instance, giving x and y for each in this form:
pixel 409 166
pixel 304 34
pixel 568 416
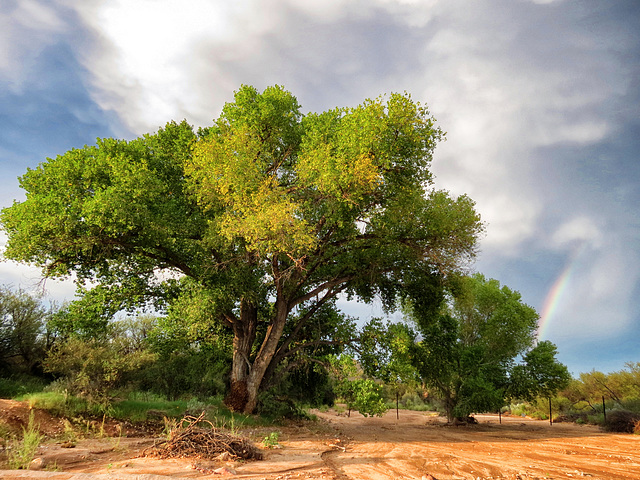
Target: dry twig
pixel 191 440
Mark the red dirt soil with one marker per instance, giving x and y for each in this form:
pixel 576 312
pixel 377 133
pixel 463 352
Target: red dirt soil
pixel 415 446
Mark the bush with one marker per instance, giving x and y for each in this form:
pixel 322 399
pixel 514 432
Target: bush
pixel 274 407
pixel 93 369
pixel 16 385
pixel 631 404
pixel 622 421
pixel 199 373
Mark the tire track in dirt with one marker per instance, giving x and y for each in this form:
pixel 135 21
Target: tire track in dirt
pixel 410 448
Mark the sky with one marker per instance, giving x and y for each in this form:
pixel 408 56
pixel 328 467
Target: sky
pixel 540 100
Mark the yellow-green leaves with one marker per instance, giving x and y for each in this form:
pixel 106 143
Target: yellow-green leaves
pixel 241 172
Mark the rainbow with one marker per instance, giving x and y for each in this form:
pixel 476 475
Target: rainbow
pixel 554 297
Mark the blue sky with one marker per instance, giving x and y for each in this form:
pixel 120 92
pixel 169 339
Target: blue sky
pixel 540 101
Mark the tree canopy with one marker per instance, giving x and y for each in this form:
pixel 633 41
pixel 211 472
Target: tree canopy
pixel 271 212
pixel 469 348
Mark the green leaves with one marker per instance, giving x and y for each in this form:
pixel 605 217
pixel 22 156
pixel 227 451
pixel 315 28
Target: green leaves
pixel 540 373
pixel 468 351
pixel 268 209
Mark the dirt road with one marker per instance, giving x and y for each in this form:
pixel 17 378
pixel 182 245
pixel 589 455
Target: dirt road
pixel 417 446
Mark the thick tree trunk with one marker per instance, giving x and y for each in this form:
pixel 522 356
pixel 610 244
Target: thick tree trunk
pixel 247 376
pixel 244 334
pixel 265 355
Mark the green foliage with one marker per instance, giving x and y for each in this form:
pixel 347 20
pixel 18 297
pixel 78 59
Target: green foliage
pixel 619 389
pixel 93 369
pixel 361 394
pixel 365 396
pixel 20 384
pixel 58 403
pixel 540 374
pixel 384 352
pixel 271 440
pixel 276 408
pixel 24 338
pixel 268 212
pixel 23 451
pixel 469 348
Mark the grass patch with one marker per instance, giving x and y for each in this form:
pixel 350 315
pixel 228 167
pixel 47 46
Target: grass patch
pixel 59 404
pixel 140 411
pixel 142 407
pixel 23 451
pixel 15 385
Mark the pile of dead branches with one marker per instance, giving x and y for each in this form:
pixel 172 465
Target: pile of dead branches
pixel 199 438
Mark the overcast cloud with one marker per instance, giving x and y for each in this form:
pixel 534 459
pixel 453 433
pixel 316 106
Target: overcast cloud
pixel 539 99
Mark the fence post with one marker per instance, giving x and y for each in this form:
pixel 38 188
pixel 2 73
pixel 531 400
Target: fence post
pixel 550 416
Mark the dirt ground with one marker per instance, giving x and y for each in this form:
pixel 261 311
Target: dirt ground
pixel 416 446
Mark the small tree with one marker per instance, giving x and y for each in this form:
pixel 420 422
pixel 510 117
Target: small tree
pixel 361 394
pixel 94 368
pixel 540 373
pixel 385 354
pixel 24 336
pixel 470 345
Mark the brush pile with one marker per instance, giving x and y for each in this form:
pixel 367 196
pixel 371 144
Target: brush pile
pixel 189 439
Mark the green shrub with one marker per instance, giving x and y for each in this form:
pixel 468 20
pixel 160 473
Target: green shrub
pixel 93 369
pixel 187 372
pixel 596 419
pixel 16 385
pixel 275 408
pixel 631 404
pixel 271 440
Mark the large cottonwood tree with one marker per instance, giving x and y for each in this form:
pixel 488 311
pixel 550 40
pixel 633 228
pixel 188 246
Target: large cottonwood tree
pixel 271 212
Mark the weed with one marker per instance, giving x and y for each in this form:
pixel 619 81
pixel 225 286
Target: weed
pixel 230 424
pixel 170 424
pixel 24 451
pixel 69 434
pixel 271 440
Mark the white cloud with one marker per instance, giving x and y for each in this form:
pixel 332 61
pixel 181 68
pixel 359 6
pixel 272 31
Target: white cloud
pixel 596 303
pixel 493 82
pixel 35 24
pixel 579 230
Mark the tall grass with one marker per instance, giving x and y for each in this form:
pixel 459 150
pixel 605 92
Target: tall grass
pixel 23 452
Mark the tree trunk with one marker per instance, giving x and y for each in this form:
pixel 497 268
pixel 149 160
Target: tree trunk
pixel 265 355
pixel 244 334
pixel 247 376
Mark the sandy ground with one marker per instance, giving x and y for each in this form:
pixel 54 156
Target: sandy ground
pixel 415 446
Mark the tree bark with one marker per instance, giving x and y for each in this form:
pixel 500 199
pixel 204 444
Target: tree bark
pixel 244 334
pixel 266 353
